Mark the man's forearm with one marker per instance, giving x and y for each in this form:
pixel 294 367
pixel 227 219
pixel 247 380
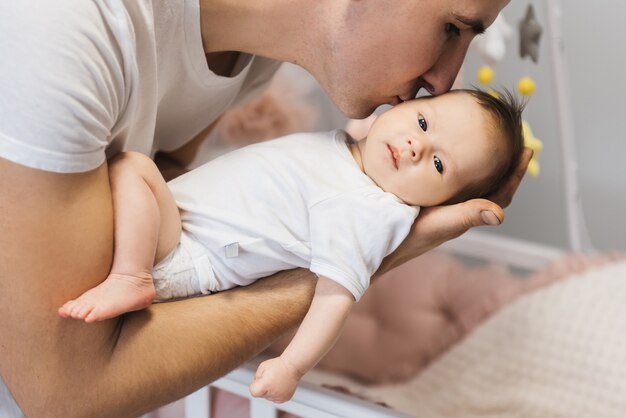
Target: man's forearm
pixel 56 242
pixel 201 339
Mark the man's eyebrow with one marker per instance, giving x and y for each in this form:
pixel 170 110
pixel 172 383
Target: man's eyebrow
pixel 478 27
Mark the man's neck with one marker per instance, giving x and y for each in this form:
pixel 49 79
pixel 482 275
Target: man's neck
pixel 271 28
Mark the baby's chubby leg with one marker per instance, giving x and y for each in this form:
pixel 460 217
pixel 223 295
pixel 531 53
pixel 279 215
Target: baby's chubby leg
pixel 147 228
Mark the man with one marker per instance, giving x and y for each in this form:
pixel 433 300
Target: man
pixel 82 81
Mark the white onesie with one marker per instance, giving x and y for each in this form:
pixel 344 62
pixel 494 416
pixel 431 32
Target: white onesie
pixel 296 201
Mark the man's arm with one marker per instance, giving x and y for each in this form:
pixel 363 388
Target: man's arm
pixel 56 235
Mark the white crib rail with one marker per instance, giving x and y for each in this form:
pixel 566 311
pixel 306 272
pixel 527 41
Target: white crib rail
pixel 309 401
pixel 499 249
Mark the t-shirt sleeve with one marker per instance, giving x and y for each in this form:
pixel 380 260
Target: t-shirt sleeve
pixel 61 84
pixel 351 234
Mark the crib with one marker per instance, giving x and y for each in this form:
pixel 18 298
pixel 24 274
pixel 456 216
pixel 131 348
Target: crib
pixel 309 401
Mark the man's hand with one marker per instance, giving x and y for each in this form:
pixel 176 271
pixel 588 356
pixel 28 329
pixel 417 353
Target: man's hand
pixel 504 195
pixel 438 224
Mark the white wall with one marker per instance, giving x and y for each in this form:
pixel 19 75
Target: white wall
pixel 596 34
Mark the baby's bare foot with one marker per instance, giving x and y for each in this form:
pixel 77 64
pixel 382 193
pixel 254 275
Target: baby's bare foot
pixel 118 294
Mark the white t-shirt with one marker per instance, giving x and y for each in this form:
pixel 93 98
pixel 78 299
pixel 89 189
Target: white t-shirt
pixel 83 80
pixel 296 201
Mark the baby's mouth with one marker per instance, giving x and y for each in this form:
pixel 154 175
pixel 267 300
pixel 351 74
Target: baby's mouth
pixel 394 156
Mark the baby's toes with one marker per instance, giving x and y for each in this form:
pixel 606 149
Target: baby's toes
pixel 93 315
pixel 75 309
pixel 66 309
pixel 81 310
pixel 72 310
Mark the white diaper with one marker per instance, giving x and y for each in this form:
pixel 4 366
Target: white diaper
pixel 185 272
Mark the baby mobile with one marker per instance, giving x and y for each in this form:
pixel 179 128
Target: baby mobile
pixel 492 48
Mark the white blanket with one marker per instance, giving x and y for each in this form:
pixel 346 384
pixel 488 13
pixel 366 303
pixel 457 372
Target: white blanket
pixel 559 352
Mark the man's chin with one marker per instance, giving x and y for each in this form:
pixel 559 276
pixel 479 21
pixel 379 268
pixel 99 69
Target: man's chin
pixel 357 110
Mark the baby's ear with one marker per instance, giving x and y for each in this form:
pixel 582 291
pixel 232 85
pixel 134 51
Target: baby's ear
pixel 358 128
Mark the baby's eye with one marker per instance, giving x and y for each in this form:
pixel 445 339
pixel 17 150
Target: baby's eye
pixel 438 164
pixel 422 122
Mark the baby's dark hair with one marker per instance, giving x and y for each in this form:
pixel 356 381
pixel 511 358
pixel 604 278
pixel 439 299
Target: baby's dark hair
pixel 505 110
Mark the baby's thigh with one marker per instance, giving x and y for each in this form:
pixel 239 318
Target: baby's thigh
pixel 133 164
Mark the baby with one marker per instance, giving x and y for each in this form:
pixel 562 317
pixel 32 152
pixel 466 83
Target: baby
pixel 319 201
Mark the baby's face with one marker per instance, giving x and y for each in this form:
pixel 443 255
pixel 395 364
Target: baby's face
pixel 426 150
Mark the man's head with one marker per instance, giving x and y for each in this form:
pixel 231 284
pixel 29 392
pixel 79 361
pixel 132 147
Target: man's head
pixel 381 51
pixel 445 149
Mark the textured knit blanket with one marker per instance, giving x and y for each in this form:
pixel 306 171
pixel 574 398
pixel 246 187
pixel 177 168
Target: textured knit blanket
pixel 559 352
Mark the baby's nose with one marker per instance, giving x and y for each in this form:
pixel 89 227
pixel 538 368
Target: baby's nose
pixel 416 149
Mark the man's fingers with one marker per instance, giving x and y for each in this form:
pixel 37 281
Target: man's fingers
pixel 448 222
pixel 504 195
pixel 438 224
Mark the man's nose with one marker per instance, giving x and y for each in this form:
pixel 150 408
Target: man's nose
pixel 440 77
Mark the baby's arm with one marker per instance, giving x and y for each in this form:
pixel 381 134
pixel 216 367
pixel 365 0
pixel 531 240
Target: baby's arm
pixel 276 379
pixel 147 225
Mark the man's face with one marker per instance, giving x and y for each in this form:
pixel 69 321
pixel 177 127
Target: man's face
pixel 426 151
pixel 385 51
